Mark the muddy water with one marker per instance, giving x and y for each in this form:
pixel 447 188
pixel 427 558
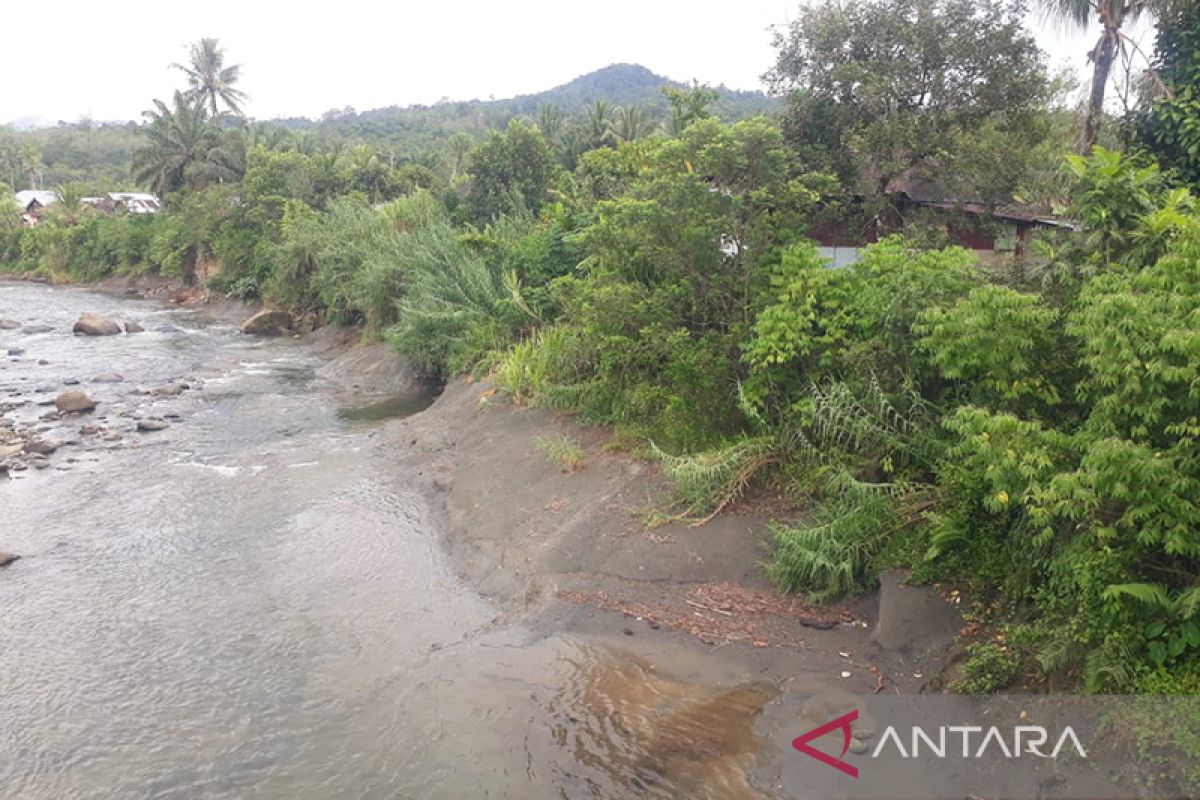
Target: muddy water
pixel 248 604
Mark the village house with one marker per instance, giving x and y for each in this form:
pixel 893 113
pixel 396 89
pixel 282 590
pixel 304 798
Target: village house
pixel 997 233
pixel 33 203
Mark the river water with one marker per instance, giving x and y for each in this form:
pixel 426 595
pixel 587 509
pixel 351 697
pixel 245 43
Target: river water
pixel 250 604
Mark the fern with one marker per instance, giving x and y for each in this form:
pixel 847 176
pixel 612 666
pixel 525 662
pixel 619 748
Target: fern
pixel 705 483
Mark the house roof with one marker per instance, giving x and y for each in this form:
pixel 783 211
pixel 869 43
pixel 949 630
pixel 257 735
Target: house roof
pixel 43 197
pixel 1008 213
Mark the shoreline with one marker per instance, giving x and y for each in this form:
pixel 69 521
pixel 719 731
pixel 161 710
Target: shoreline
pixel 568 553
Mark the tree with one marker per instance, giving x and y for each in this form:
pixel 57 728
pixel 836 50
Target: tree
pixel 1169 128
pixel 688 105
pixel 209 80
pixel 511 170
pixel 629 123
pixel 184 148
pixel 884 89
pixel 1111 14
pixel 459 145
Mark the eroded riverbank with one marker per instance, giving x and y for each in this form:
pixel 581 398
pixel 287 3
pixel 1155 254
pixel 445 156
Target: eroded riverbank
pixel 280 594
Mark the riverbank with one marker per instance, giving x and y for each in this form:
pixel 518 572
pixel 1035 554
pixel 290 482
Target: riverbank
pixel 570 552
pixel 277 502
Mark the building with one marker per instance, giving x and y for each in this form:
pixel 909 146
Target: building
pixel 33 203
pixel 998 233
pixel 136 202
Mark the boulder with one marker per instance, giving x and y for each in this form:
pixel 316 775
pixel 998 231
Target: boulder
pixel 169 390
pixel 96 325
pixel 41 447
pixel 7 558
pixel 108 377
pixel 268 322
pixel 149 425
pixel 9 324
pixel 74 402
pixel 133 327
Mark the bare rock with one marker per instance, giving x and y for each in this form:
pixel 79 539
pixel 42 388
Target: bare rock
pixel 96 325
pixel 7 558
pixel 41 447
pixel 107 377
pixel 169 390
pixel 133 327
pixel 268 322
pixel 9 324
pixel 32 329
pixel 149 425
pixel 74 402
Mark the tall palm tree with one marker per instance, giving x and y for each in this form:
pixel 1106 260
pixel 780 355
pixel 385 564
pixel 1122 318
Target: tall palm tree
pixel 629 123
pixel 209 80
pixel 597 117
pixel 185 148
pixel 1112 15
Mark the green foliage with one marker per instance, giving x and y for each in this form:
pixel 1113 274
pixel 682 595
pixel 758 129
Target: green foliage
pixel 885 89
pixel 989 668
pixel 562 451
pixel 1169 127
pixel 510 172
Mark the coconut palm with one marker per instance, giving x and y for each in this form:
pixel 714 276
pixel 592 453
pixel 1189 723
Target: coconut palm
pixel 597 118
pixel 1111 15
pixel 629 123
pixel 185 148
pixel 209 80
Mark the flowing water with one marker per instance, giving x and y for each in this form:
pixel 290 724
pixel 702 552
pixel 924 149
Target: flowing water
pixel 249 603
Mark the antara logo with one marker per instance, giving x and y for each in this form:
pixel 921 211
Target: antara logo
pixel 1026 740
pixel 843 723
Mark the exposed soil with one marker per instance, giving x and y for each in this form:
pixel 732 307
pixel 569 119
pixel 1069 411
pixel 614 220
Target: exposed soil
pixel 570 552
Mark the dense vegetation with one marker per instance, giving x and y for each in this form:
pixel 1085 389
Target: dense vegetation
pixel 1030 431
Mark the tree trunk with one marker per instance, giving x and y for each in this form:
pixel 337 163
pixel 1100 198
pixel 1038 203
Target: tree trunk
pixel 1103 57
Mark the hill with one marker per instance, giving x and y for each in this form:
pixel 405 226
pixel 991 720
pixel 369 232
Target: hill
pixel 414 127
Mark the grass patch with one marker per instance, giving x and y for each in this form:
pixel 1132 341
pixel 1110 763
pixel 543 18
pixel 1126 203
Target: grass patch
pixel 563 451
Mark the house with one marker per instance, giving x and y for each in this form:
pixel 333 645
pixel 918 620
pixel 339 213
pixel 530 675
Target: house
pixel 33 203
pixel 998 233
pixel 136 202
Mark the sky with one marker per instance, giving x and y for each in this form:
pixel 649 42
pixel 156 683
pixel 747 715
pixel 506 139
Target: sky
pixel 107 60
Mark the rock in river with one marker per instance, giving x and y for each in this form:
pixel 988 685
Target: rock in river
pixel 268 322
pixel 9 324
pixel 133 327
pixel 74 402
pixel 96 325
pixel 7 558
pixel 41 447
pixel 108 377
pixel 148 425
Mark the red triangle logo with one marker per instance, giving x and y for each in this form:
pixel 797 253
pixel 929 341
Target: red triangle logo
pixel 843 722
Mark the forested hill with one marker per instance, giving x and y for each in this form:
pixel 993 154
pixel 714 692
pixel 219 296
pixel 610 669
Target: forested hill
pixel 617 85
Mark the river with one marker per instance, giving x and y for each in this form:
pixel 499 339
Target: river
pixel 250 604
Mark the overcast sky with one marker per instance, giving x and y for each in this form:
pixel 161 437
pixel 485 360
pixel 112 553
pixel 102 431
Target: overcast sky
pixel 74 58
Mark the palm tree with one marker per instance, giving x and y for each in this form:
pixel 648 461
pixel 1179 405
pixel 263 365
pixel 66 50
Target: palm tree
pixel 1112 15
pixel 629 123
pixel 550 121
pixel 185 148
pixel 459 145
pixel 597 118
pixel 209 80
